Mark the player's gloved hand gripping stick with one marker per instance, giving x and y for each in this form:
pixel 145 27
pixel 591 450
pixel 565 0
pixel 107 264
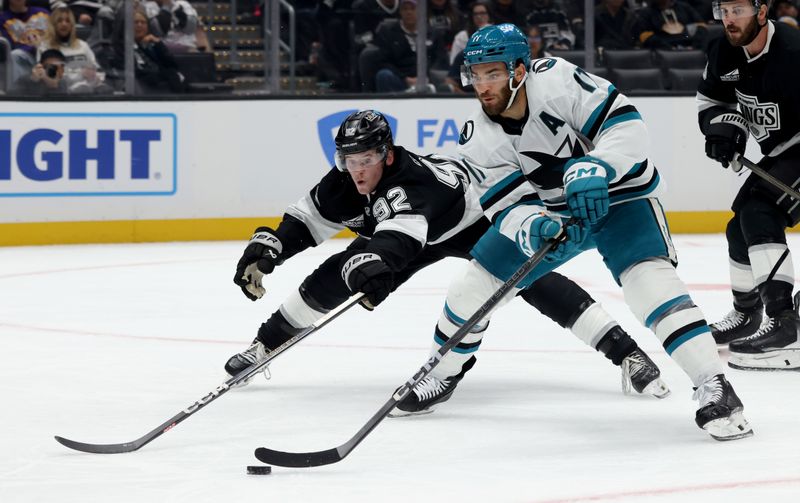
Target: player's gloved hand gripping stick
pixel 336 454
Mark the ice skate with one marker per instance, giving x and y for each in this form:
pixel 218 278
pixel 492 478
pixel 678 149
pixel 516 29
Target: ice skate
pixel 240 361
pixel 430 392
pixel 721 411
pixel 774 347
pixel 641 374
pixel 736 325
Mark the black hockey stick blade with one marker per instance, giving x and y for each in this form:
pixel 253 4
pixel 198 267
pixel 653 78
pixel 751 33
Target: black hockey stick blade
pixel 329 456
pixel 210 397
pixel 755 168
pixel 98 448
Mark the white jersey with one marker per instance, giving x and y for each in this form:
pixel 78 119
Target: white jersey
pixel 571 114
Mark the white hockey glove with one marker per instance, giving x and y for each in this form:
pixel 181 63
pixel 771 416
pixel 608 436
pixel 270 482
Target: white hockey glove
pixel 260 257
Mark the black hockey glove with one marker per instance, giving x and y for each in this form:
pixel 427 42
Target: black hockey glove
pixel 365 272
pixel 260 257
pixel 726 136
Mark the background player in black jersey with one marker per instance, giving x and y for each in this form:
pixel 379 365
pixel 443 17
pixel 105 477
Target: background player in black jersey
pixel 409 211
pixel 755 66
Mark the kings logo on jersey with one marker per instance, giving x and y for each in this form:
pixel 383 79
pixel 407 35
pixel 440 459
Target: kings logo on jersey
pixel 761 117
pixel 328 125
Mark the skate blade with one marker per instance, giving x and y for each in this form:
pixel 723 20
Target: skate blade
pixel 657 388
pixel 404 413
pixel 732 427
pixel 776 360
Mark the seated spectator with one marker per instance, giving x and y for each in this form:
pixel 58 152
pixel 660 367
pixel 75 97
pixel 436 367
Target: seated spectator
pixel 444 21
pixel 669 24
pixel 508 11
pixel 785 11
pixel 24 28
pixel 368 14
pixel 479 16
pixel 81 67
pixel 154 67
pixel 536 42
pixel 615 26
pixel 46 77
pixel 174 22
pixel 396 61
pixel 85 11
pixel 553 23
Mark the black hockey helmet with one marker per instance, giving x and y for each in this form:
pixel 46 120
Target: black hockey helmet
pixel 716 8
pixel 362 131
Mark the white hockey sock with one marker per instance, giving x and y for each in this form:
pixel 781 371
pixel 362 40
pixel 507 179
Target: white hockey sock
pixel 466 294
pixel 771 261
pixel 742 279
pixel 593 324
pixel 662 303
pixel 297 312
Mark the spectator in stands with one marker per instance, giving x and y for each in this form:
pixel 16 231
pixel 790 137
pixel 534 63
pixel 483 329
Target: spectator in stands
pixel 785 11
pixel 395 59
pixel 46 77
pixel 174 22
pixel 508 11
pixel 85 11
pixel 669 24
pixel 24 28
pixel 368 14
pixel 536 42
pixel 615 25
pixel 553 23
pixel 444 21
pixel 155 69
pixel 479 15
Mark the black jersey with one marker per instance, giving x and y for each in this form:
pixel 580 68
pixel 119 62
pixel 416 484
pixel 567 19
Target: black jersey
pixel 766 87
pixel 420 201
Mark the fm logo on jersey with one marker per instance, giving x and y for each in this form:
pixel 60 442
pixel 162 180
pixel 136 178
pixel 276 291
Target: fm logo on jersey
pixel 328 125
pixel 86 154
pixel 762 118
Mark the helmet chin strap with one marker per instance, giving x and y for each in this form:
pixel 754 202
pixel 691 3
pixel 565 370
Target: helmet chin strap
pixel 514 89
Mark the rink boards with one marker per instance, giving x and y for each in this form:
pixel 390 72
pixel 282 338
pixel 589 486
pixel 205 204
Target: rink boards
pixel 213 170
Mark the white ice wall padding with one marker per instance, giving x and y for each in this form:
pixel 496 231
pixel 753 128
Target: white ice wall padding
pixel 254 158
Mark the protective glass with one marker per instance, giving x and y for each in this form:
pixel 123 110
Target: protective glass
pixel 468 78
pixel 731 10
pixel 361 160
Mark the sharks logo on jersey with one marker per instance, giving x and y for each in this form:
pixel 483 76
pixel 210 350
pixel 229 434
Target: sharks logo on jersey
pixel 542 65
pixel 762 118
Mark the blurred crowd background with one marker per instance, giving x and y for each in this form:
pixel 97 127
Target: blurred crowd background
pixel 83 47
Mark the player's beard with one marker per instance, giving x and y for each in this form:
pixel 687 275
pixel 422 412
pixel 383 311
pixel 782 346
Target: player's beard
pixel 744 36
pixel 499 104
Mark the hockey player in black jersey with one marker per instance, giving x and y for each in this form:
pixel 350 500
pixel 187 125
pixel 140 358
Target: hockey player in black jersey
pixel 755 66
pixel 409 211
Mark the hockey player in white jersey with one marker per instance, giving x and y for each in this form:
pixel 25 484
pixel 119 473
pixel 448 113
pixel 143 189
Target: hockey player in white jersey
pixel 552 141
pixel 409 211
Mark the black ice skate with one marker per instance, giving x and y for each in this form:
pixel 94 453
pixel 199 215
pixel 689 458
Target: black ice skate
pixel 774 347
pixel 240 361
pixel 641 374
pixel 430 392
pixel 720 412
pixel 736 325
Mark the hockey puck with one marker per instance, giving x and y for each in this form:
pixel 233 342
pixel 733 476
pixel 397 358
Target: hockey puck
pixel 259 470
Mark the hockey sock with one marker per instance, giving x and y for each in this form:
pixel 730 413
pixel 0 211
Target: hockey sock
pixel 662 303
pixel 773 271
pixel 743 285
pixel 290 319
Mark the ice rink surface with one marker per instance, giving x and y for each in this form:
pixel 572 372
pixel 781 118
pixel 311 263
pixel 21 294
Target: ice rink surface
pixel 102 343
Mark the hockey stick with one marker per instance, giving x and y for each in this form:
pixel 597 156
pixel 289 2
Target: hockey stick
pixel 319 458
pixel 755 168
pixel 210 397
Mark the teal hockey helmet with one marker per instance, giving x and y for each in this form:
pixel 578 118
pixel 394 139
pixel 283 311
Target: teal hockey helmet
pixel 504 43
